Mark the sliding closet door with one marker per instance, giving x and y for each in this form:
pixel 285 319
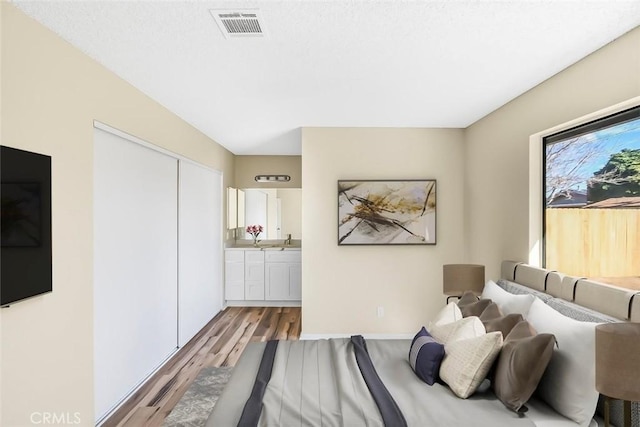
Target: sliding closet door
pixel 135 265
pixel 200 248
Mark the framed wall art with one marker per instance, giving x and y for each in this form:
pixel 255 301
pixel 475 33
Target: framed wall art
pixel 390 212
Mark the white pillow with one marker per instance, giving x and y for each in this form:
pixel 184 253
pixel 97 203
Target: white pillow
pixel 467 362
pixel 450 313
pixel 507 302
pixel 569 383
pixel 469 327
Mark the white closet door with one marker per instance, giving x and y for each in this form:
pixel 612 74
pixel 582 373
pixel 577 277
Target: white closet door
pixel 135 265
pixel 200 248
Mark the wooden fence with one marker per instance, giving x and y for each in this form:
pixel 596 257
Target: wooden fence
pixel 593 242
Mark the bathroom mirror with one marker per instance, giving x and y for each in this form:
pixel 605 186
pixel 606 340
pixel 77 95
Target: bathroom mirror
pixel 232 208
pixel 235 208
pixel 279 211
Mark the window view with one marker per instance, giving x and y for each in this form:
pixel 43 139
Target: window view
pixel 592 200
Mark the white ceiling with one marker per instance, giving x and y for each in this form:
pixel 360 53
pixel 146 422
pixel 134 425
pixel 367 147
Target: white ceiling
pixel 335 63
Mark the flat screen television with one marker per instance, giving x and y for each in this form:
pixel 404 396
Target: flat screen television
pixel 25 225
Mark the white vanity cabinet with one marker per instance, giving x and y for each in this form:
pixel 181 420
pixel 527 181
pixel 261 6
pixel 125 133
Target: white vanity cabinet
pixel 283 276
pixel 269 275
pixel 234 275
pixel 253 275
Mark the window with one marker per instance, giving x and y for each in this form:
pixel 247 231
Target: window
pixel 591 218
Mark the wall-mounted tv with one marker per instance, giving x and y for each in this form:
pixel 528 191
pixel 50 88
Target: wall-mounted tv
pixel 25 225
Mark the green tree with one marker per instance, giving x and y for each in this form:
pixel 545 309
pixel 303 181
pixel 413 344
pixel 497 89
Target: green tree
pixel 620 177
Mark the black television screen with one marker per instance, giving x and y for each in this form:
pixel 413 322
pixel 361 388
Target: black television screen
pixel 25 225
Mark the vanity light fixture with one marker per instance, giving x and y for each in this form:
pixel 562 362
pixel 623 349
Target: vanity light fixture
pixel 272 178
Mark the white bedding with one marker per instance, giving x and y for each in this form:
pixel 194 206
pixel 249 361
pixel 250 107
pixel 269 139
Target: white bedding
pixel 544 416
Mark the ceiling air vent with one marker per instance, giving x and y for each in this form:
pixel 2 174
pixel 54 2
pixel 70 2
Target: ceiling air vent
pixel 239 23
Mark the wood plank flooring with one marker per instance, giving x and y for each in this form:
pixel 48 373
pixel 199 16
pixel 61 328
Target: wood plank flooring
pixel 219 343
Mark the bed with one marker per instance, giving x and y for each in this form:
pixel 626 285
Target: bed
pixel 359 382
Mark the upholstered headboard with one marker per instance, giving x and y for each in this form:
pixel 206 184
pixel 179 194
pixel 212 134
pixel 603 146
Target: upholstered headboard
pixel 614 301
pixel 579 298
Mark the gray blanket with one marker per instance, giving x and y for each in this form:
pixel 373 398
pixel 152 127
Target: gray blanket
pixel 318 383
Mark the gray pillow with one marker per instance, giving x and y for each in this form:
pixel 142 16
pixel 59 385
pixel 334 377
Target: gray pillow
pixel 475 308
pixel 491 312
pixel 521 364
pixel 503 324
pixel 468 297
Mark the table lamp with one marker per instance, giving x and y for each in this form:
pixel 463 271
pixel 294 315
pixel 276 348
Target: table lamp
pixel 458 278
pixel 618 365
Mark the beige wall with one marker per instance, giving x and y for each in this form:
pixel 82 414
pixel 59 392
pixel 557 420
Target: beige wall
pixel 343 285
pixel 51 93
pixel 497 157
pixel 247 167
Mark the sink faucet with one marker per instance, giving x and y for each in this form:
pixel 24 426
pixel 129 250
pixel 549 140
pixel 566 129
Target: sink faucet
pixel 287 241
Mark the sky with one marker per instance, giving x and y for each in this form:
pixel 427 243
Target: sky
pixel 613 139
pixel 625 135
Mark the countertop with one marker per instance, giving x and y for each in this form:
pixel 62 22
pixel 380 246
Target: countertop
pixel 265 245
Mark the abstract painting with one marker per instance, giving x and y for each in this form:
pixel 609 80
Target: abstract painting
pixel 395 212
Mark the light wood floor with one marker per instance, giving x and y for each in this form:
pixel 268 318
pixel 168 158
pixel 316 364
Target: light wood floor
pixel 220 343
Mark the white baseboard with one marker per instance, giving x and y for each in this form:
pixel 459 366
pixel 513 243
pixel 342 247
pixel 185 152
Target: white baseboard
pixel 366 336
pixel 263 304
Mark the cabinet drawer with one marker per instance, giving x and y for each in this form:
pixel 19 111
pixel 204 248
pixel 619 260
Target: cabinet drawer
pixel 254 256
pixel 234 256
pixel 282 256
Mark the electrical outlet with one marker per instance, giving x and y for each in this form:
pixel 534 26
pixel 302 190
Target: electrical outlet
pixel 380 311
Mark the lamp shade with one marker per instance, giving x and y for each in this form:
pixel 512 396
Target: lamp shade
pixel 618 360
pixel 458 278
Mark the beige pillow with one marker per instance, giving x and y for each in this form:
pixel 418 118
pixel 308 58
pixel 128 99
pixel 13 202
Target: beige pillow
pixel 467 362
pixel 450 313
pixel 469 327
